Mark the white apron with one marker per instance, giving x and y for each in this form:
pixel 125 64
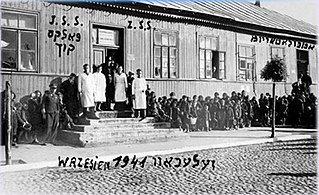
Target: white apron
pixel 100 86
pixel 120 86
pixel 138 89
pixel 86 85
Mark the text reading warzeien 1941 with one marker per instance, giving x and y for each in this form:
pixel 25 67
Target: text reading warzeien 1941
pixel 122 162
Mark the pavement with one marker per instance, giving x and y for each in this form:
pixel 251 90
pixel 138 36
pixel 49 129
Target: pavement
pixel 28 156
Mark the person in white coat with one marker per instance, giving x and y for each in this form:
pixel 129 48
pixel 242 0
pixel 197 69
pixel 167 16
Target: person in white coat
pixel 139 87
pixel 100 88
pixel 86 87
pixel 120 88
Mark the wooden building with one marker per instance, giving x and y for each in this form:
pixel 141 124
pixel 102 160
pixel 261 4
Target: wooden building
pixel 189 48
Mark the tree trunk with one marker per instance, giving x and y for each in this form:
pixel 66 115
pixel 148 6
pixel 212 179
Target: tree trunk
pixel 273 110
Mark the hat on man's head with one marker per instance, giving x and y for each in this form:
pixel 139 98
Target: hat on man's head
pixel 53 86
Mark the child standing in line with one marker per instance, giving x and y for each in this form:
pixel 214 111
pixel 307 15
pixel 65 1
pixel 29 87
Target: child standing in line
pixel 175 116
pixel 206 118
pixel 229 116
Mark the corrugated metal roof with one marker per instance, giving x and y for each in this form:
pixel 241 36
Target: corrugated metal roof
pixel 241 12
pixel 234 16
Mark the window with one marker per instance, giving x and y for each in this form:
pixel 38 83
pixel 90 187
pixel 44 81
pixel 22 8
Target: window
pixel 246 69
pixel 165 54
pixel 19 41
pixel 277 52
pixel 211 61
pixel 302 62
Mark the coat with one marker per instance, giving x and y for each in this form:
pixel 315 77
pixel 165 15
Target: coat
pixel 138 89
pixel 100 87
pixel 86 85
pixel 120 86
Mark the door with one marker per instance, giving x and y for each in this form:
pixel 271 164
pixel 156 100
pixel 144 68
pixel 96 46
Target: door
pixel 98 57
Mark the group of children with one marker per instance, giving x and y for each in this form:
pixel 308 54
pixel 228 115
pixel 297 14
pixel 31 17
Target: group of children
pixel 230 112
pixel 28 121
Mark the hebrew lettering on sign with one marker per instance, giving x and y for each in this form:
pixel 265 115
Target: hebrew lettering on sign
pixel 66 35
pixel 282 42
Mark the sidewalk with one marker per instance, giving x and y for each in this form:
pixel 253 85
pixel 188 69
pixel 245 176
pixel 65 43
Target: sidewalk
pixel 36 156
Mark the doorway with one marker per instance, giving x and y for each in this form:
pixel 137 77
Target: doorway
pixel 108 48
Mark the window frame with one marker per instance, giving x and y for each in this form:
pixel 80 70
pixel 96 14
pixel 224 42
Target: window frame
pixel 277 47
pixel 159 58
pixel 19 30
pixel 246 58
pixel 214 50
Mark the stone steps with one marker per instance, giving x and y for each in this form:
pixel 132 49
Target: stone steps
pixel 110 129
pixel 119 127
pixel 107 121
pixel 86 139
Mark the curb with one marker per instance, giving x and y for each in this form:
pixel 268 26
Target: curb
pixel 52 164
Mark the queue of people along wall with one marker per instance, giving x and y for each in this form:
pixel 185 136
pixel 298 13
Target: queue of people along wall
pixel 189 48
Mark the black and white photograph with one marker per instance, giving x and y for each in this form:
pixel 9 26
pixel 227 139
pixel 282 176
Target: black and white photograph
pixel 158 97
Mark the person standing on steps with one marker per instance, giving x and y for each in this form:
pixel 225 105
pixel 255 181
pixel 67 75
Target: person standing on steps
pixel 86 88
pixel 120 88
pixel 138 95
pixel 100 87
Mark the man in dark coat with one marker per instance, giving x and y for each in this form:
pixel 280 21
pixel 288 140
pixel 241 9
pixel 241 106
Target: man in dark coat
pixel 69 90
pixel 50 111
pixel 130 79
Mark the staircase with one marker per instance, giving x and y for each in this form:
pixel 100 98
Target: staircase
pixel 115 128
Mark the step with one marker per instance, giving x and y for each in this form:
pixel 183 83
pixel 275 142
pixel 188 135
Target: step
pixel 120 127
pixel 114 114
pixel 123 133
pixel 85 121
pixel 85 139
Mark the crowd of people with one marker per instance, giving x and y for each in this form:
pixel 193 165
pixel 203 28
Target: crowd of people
pixel 42 115
pixel 77 97
pixel 237 110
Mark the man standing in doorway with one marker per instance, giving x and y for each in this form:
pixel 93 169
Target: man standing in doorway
pixel 138 95
pixel 50 111
pixel 86 87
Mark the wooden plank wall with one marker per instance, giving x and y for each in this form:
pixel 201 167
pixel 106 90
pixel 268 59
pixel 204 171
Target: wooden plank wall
pixel 138 43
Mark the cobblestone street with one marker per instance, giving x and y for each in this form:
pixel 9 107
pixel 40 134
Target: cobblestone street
pixel 272 168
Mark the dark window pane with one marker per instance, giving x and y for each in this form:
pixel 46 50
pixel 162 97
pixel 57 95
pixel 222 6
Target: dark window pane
pixel 28 61
pixel 9 58
pixel 242 63
pixel 27 21
pixel 173 72
pixel 28 40
pixel 173 52
pixel 157 72
pixel 9 19
pixel 9 39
